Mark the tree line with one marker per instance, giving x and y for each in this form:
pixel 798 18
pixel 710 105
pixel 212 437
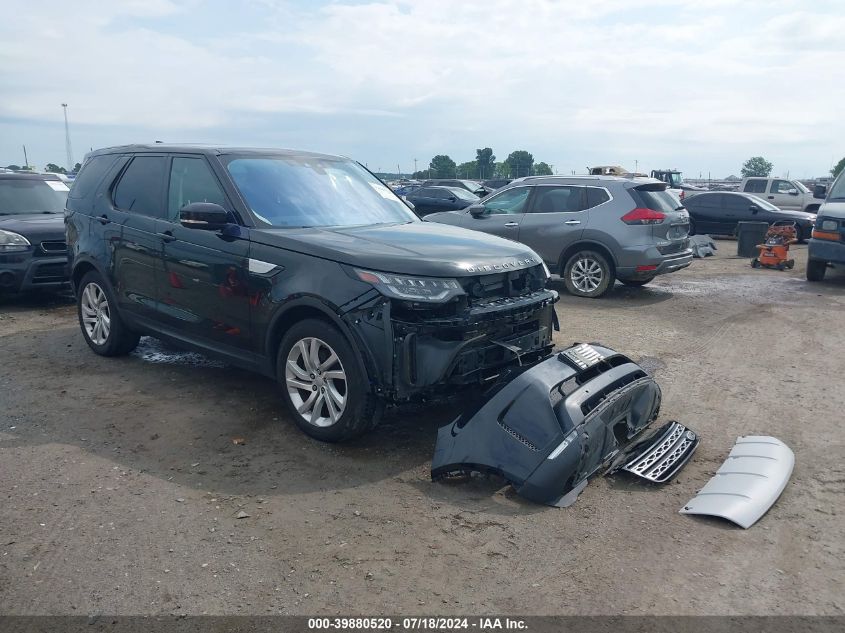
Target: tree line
pixel 518 163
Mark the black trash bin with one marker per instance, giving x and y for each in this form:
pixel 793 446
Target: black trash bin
pixel 749 234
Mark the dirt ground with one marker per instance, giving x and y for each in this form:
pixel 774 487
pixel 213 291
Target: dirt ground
pixel 122 484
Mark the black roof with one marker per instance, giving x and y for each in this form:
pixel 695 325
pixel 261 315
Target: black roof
pixel 21 175
pixel 211 150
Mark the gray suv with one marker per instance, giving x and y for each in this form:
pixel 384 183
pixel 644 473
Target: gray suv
pixel 592 230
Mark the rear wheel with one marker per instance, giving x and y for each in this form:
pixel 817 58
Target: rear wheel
pixel 816 269
pixel 588 274
pixel 101 323
pixel 636 282
pixel 322 385
pixel 691 227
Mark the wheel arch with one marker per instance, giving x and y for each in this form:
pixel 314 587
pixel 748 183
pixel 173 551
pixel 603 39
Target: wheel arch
pixel 582 245
pixel 81 268
pixel 299 310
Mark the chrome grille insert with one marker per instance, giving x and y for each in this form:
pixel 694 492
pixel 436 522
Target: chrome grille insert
pixel 670 450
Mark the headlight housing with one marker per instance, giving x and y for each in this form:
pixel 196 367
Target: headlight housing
pixel 407 288
pixel 12 242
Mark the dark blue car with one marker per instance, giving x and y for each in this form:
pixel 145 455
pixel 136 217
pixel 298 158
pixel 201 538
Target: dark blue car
pixel 33 253
pixel 435 199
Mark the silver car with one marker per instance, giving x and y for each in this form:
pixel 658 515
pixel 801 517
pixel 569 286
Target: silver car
pixel 592 230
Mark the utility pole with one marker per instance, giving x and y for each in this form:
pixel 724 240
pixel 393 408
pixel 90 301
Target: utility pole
pixel 25 159
pixel 636 166
pixel 415 167
pixel 67 141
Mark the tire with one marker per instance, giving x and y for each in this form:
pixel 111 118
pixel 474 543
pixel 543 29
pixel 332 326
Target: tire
pixel 691 227
pixel 102 326
pixel 330 409
pixel 636 282
pixel 755 263
pixel 588 274
pixel 816 269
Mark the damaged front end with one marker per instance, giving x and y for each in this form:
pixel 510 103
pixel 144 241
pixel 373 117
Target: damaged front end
pixel 546 429
pixel 417 348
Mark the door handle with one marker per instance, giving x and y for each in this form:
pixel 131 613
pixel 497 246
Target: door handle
pixel 771 197
pixel 167 236
pixel 512 224
pixel 572 222
pixel 103 219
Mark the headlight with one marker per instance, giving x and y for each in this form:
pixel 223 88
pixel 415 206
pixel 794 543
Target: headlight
pixel 12 242
pixel 829 225
pixel 407 288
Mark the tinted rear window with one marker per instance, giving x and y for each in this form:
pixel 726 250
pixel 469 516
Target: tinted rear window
pixel 756 186
pixel 140 187
pixel 92 172
pixel 655 200
pixel 596 196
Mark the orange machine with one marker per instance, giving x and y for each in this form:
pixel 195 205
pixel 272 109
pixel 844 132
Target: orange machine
pixel 774 253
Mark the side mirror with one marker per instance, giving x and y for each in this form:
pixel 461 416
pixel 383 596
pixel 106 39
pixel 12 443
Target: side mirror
pixel 452 199
pixel 754 208
pixel 820 192
pixel 477 210
pixel 792 192
pixel 410 204
pixel 207 216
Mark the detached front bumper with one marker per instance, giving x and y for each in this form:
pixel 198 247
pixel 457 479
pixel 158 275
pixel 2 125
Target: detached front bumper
pixel 547 429
pixel 21 272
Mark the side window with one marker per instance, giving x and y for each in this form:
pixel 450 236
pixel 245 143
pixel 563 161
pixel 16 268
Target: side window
pixel 89 177
pixel 440 194
pixel 737 203
pixel 596 196
pixel 140 187
pixel 191 180
pixel 558 200
pixel 510 202
pixel 755 186
pixel 781 186
pixel 422 192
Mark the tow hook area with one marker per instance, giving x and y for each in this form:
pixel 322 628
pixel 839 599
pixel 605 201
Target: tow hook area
pixel 548 427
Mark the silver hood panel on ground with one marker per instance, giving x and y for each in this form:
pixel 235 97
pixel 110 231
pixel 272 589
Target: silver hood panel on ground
pixel 748 483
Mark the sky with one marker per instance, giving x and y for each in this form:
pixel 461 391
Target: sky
pixel 695 85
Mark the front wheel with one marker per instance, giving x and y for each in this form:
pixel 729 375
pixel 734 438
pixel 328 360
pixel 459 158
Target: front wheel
pixel 588 274
pixel 816 269
pixel 691 227
pixel 102 327
pixel 322 385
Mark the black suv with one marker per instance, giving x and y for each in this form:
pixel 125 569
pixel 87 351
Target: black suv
pixel 300 266
pixel 33 254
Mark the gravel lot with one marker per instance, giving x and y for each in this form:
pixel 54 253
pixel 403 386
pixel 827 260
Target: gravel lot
pixel 122 484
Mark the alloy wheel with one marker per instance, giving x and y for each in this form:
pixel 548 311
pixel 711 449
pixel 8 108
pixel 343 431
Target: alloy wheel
pixel 316 382
pixel 586 274
pixel 96 314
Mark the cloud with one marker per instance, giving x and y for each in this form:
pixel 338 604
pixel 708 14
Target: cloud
pixel 657 80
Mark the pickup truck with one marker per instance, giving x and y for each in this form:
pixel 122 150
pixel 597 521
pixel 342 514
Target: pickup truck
pixel 786 194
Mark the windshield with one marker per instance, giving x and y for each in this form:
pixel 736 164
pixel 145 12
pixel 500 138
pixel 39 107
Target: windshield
pixel 305 191
pixel 801 186
pixel 765 205
pixel 24 195
pixel 674 179
pixel 463 194
pixel 837 191
pixel 470 185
